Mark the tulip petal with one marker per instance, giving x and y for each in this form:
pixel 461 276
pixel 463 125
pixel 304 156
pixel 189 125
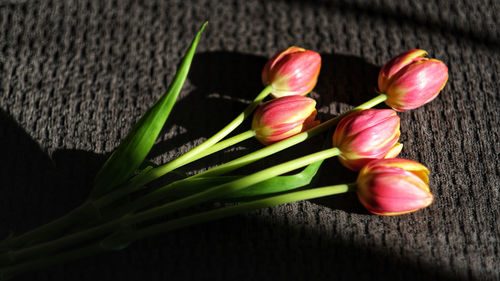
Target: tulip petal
pixel 275 59
pixel 396 64
pixel 395 150
pixel 416 168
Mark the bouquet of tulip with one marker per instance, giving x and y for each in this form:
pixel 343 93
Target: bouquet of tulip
pixel 365 140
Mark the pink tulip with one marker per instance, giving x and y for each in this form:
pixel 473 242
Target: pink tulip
pixel 366 135
pixel 394 186
pixel 293 71
pixel 411 80
pixel 283 117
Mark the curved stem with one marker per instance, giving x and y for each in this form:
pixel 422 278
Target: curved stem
pixel 186 158
pixel 227 188
pixel 291 141
pixel 214 148
pixel 126 221
pixel 138 182
pixel 238 209
pixel 240 162
pixel 209 146
pixel 224 144
pixel 96 248
pixel 259 154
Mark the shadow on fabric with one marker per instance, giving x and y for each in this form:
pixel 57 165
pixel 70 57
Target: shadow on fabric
pixel 226 82
pixel 247 248
pixel 37 188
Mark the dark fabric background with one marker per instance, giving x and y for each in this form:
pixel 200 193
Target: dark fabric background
pixel 76 75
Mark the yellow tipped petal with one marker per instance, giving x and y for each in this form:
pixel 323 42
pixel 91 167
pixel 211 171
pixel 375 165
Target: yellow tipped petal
pixel 394 152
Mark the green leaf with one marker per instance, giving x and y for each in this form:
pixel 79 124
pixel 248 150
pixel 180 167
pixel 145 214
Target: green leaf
pixel 280 183
pixel 277 184
pixel 135 147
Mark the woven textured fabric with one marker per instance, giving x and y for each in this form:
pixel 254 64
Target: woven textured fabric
pixel 76 75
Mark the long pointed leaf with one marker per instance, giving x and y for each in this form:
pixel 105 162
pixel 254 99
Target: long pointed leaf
pixel 280 183
pixel 273 185
pixel 135 147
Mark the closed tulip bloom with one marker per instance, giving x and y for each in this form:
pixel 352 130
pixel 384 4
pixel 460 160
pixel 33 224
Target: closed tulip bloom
pixel 394 186
pixel 366 135
pixel 293 71
pixel 411 80
pixel 284 117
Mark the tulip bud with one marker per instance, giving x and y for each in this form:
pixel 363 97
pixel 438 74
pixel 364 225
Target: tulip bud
pixel 411 80
pixel 284 117
pixel 394 186
pixel 293 71
pixel 366 135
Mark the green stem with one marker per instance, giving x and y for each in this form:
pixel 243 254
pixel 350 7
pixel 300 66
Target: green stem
pixel 46 230
pixel 291 141
pixel 227 188
pixel 257 155
pixel 159 194
pixel 209 194
pixel 237 209
pixel 216 147
pixel 178 223
pixel 186 158
pixel 224 144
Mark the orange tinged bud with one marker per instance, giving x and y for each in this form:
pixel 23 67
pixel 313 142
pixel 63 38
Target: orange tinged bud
pixel 394 186
pixel 284 117
pixel 293 71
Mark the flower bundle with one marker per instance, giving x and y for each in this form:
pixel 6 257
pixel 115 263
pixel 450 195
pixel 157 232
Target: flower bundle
pixel 365 140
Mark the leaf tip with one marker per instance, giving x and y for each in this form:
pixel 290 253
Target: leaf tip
pixel 203 26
